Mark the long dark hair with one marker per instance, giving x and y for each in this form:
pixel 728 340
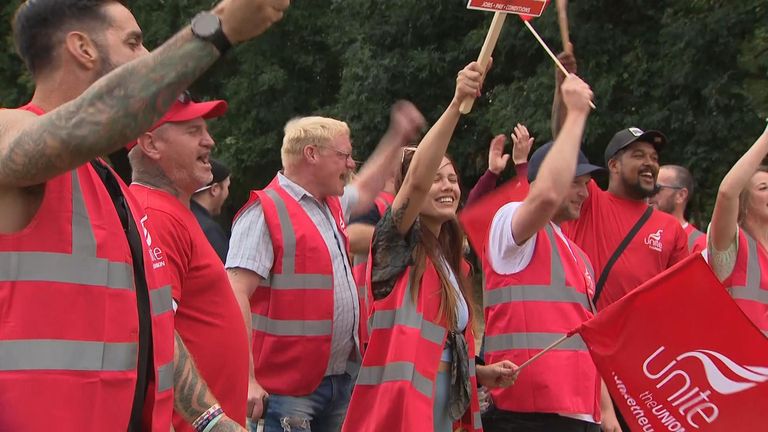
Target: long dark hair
pixel 449 245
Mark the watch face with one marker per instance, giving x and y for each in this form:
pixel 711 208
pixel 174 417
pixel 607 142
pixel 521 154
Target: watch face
pixel 205 24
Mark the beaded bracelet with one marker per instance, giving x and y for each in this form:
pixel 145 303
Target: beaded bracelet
pixel 213 422
pixel 207 417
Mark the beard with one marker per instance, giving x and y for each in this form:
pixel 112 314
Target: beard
pixel 636 190
pixel 106 65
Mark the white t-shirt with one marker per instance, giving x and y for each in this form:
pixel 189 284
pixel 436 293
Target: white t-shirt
pixel 507 257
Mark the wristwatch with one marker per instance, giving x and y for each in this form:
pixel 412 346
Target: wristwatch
pixel 207 26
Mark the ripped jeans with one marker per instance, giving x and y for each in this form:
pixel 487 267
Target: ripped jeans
pixel 321 411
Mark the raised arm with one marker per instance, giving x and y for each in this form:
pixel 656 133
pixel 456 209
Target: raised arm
pixel 558 107
pixel 559 166
pixel 405 124
pixel 722 231
pixel 122 104
pixel 431 150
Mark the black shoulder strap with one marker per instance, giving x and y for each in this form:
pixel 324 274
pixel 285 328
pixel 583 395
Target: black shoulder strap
pixel 617 253
pixel 145 365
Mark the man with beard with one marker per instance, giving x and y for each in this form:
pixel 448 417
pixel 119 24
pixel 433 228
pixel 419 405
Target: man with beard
pixel 87 340
pixel 674 188
pixel 608 216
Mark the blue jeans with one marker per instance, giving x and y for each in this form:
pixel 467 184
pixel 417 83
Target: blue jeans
pixel 322 411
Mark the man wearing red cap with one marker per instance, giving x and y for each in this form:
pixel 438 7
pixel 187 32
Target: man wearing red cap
pixel 170 163
pixel 87 340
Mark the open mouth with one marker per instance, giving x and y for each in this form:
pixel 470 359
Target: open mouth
pixel 205 160
pixel 445 200
pixel 647 175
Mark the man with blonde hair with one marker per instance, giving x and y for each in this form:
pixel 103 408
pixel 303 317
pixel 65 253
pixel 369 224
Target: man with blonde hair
pixel 289 267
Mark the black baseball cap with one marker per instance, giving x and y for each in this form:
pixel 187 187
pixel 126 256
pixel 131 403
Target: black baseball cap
pixel 627 136
pixel 582 163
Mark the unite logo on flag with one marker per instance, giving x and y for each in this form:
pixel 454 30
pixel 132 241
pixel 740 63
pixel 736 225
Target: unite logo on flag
pixel 680 385
pixel 678 355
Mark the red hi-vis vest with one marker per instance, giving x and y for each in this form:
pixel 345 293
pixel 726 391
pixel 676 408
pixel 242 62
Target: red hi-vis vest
pixel 382 202
pixel 292 312
pixel 68 316
pixel 527 311
pixel 747 283
pixel 396 385
pixel 697 240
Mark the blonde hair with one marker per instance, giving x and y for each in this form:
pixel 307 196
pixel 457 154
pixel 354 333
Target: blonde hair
pixel 303 131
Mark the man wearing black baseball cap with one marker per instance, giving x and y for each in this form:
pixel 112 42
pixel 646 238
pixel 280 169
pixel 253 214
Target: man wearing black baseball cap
pixel 538 286
pixel 608 218
pixel 207 202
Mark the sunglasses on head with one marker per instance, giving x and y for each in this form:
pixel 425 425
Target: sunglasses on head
pixel 186 98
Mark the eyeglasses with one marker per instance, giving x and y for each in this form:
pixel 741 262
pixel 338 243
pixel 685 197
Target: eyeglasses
pixel 346 156
pixel 659 187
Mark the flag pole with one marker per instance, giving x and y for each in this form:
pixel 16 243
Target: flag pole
pixel 551 54
pixel 562 18
pixel 485 53
pixel 552 346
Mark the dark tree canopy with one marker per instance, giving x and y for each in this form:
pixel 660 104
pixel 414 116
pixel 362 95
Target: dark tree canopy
pixel 695 69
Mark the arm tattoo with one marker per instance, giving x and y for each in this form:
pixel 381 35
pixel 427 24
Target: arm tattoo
pixel 191 395
pixel 397 216
pixel 112 112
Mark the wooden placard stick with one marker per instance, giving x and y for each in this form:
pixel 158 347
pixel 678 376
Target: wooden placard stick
pixel 485 53
pixel 551 54
pixel 552 346
pixel 562 19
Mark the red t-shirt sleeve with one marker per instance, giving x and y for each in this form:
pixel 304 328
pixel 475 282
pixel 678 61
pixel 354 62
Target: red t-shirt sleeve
pixel 176 244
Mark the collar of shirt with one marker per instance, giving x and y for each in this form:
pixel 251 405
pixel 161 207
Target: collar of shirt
pixel 293 189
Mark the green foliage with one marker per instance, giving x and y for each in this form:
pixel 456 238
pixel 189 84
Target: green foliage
pixel 695 70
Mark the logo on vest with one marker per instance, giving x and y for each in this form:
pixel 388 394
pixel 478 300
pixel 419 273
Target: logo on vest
pixel 686 387
pixel 653 241
pixel 155 253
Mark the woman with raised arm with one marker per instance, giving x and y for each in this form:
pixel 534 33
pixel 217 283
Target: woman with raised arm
pixel 418 373
pixel 737 244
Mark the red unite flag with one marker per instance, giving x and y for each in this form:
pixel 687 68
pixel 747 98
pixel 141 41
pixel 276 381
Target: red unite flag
pixel 677 354
pixel 527 9
pixel 476 219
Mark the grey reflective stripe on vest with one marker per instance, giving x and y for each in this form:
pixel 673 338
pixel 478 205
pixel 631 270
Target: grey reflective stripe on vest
pixel 395 371
pixel 81 267
pixel 693 237
pixel 752 290
pixel 161 300
pixel 64 268
pixel 291 327
pixel 407 315
pixel 83 240
pixel 533 341
pixel 288 278
pixel 165 377
pixel 477 420
pixel 555 291
pixel 44 354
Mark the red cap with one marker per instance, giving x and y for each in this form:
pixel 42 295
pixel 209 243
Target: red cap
pixel 189 110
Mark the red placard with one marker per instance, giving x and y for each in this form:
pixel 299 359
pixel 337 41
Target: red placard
pixel 519 7
pixel 677 354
